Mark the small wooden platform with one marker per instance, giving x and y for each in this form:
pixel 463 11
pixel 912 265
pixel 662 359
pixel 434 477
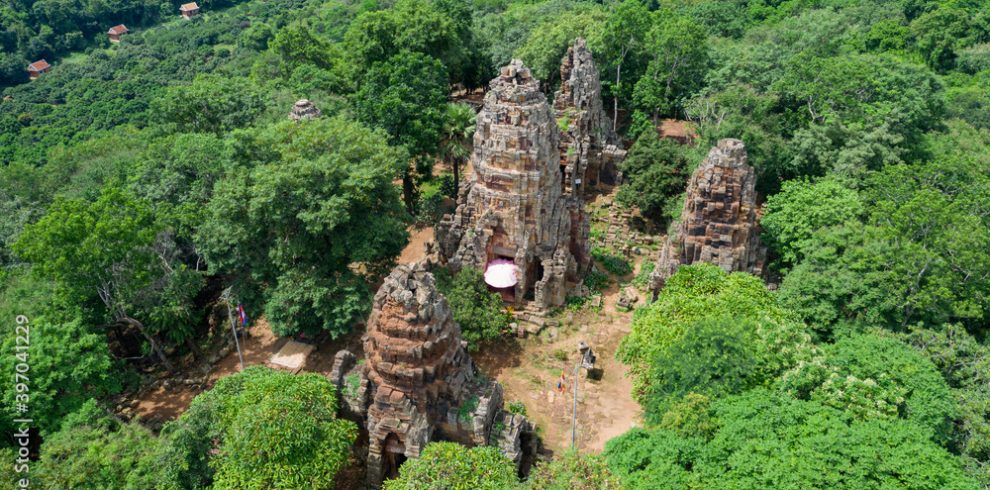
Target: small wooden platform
pixel 292 356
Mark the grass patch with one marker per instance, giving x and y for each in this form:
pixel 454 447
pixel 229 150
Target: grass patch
pixel 516 407
pixel 352 383
pixel 611 261
pixel 642 279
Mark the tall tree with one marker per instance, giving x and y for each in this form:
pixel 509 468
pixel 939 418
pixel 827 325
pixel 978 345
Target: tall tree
pixel 406 95
pixel 679 61
pixel 455 145
pixel 261 429
pixel 112 254
pixel 622 40
pixel 292 232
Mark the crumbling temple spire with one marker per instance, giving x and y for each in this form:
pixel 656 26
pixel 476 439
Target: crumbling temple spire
pixel 514 207
pixel 419 383
pixel 590 150
pixel 718 224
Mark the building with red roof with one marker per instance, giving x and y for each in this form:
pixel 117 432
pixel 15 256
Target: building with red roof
pixel 37 68
pixel 116 31
pixel 189 10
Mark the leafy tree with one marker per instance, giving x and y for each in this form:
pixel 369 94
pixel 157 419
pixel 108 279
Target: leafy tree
pixel 437 29
pixel 970 103
pixel 655 459
pixel 501 31
pixel 866 376
pixel 863 92
pixel 573 471
pixel 210 104
pixel 177 174
pixel 287 231
pixel 480 312
pixel 269 429
pixel 457 131
pixel 93 450
pixel 768 440
pixel 622 40
pixel 297 43
pixel 69 364
pixel 110 254
pixel 914 258
pixel 938 34
pixel 406 95
pixel 963 362
pixel 716 356
pixel 802 208
pixel 653 175
pixel 690 417
pixel 696 292
pixel 451 466
pixel 678 64
pixel 549 41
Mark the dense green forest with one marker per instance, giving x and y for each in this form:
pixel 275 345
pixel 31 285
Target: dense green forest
pixel 141 179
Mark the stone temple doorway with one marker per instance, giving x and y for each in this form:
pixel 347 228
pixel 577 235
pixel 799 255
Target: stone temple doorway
pixel 393 455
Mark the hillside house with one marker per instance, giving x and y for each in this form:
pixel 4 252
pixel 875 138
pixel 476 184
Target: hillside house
pixel 189 10
pixel 116 32
pixel 37 68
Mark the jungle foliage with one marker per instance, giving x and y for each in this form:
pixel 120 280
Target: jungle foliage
pixel 139 180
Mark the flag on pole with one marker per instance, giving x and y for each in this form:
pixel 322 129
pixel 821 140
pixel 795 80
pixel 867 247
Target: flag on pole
pixel 243 315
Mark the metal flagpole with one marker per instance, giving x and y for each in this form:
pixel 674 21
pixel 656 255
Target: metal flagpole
pixel 577 370
pixel 233 326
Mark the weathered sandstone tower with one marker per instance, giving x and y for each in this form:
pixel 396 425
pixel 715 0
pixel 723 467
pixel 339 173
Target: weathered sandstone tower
pixel 514 208
pixel 590 150
pixel 418 383
pixel 719 222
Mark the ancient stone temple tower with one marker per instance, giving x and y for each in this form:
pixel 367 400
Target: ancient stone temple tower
pixel 514 208
pixel 590 150
pixel 418 383
pixel 719 222
pixel 304 109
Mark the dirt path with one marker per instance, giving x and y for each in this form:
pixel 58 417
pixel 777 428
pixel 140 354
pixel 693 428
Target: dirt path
pixel 164 403
pixel 530 369
pixel 416 249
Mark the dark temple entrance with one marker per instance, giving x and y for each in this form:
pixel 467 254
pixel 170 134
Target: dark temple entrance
pixel 393 456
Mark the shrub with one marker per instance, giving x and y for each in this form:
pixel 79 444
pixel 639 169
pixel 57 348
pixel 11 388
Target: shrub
pixel 480 312
pixel 448 465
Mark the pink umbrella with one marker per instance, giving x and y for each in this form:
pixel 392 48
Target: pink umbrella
pixel 501 273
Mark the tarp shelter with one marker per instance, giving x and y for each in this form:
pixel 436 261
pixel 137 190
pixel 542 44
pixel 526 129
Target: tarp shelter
pixel 501 273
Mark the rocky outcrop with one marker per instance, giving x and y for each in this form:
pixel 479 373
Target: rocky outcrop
pixel 718 224
pixel 304 109
pixel 514 207
pixel 590 151
pixel 418 383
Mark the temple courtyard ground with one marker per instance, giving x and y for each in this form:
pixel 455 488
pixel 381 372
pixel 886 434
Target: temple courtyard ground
pixel 529 369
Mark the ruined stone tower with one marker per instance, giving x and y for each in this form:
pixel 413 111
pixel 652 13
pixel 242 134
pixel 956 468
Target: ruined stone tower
pixel 719 222
pixel 418 383
pixel 304 109
pixel 514 207
pixel 590 150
